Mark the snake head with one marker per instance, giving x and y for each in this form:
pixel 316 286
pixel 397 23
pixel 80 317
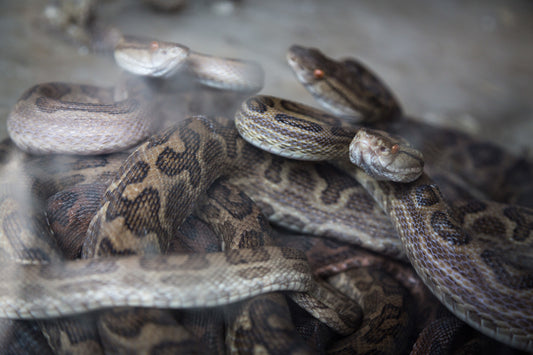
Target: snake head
pixel 345 87
pixel 385 157
pixel 309 64
pixel 149 57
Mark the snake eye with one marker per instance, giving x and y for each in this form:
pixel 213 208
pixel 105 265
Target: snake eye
pixel 383 149
pixel 318 73
pixel 154 45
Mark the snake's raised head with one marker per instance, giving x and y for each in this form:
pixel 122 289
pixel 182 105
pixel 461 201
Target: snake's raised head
pixel 344 87
pixel 309 64
pixel 385 157
pixel 149 57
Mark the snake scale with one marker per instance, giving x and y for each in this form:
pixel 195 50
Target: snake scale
pixel 193 154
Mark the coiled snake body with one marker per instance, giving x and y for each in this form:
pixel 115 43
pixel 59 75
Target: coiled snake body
pixel 462 270
pixel 483 278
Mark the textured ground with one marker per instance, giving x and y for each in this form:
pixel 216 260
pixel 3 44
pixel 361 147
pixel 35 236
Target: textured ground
pixel 468 65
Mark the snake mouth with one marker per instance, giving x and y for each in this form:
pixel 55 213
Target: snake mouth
pixel 302 73
pixel 294 63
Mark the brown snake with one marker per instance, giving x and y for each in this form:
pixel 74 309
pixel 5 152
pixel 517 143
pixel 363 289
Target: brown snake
pixel 484 278
pixel 396 200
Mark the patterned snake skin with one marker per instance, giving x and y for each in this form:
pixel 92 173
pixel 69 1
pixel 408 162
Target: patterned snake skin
pixel 187 159
pixel 484 277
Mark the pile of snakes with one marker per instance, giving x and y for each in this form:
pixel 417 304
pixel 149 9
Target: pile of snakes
pixel 207 218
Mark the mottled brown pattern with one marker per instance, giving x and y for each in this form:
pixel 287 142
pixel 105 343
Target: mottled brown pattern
pixel 170 162
pixel 471 207
pixel 454 262
pixel 132 322
pixel 489 225
pixel 72 333
pixel 509 272
pixel 336 184
pixel 238 205
pixel 234 217
pixel 426 195
pixel 273 171
pixel 69 213
pixel 139 223
pixel 386 322
pixel 303 177
pixel 107 247
pixel 150 331
pixel 257 105
pixel 439 336
pixel 523 218
pixel 289 253
pixel 263 323
pixel 359 201
pixel 160 138
pixel 447 230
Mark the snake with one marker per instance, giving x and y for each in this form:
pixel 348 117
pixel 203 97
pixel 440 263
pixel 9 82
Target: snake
pixel 148 243
pixel 133 171
pixel 40 108
pixel 465 271
pixel 155 58
pixel 298 131
pixel 125 111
